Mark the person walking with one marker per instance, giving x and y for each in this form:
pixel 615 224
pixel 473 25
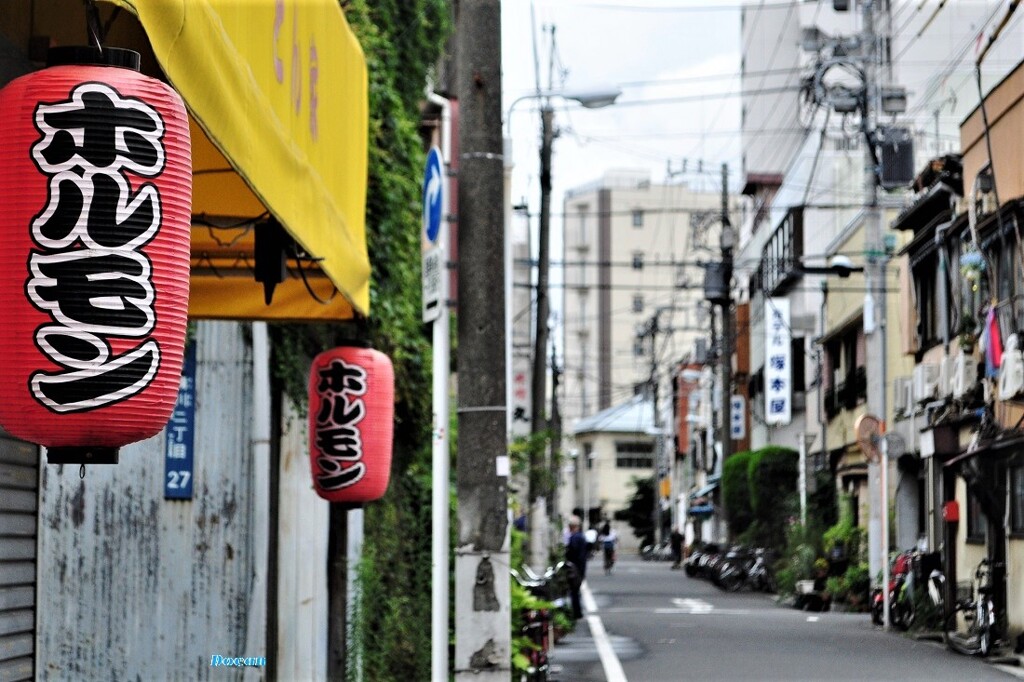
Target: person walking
pixel 609 539
pixel 677 548
pixel 576 555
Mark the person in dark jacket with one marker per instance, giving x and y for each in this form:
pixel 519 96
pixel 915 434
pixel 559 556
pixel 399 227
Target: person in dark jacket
pixel 576 554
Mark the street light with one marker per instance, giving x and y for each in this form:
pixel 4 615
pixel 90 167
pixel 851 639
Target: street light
pixel 591 99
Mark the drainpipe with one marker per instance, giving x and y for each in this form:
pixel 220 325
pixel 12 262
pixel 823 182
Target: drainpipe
pixel 822 422
pixel 940 233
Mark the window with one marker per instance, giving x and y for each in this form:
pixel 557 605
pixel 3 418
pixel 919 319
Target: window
pixel 799 361
pixel 638 260
pixel 1017 500
pixel 926 283
pixel 845 378
pixel 634 455
pixel 638 303
pixel 638 217
pixel 638 348
pixel 977 524
pixel 588 455
pixel 582 232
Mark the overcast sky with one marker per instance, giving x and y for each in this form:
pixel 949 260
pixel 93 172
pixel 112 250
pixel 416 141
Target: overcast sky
pixel 654 50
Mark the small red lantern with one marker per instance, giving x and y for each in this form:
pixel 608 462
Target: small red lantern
pixel 951 512
pixel 351 422
pixel 95 214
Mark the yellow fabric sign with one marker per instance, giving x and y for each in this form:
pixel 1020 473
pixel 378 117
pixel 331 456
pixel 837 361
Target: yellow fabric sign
pixel 281 89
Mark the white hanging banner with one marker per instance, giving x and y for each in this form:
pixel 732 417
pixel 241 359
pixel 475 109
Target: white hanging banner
pixel 778 362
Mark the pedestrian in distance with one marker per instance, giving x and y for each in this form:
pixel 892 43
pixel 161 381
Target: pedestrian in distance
pixel 608 540
pixel 677 548
pixel 576 556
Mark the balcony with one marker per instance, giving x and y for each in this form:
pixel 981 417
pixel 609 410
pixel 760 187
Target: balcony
pixel 781 257
pixel 847 394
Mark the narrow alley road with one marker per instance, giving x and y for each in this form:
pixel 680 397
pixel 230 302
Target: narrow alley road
pixel 658 625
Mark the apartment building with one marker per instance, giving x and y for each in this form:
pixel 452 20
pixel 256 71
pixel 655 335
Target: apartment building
pixel 633 297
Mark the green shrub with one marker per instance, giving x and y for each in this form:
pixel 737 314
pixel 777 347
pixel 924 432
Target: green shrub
pixel 773 495
pixel 785 580
pixel 858 578
pixel 837 587
pixel 736 491
pixel 844 538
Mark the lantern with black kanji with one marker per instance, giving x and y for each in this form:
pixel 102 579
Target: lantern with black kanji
pixel 351 423
pixel 95 212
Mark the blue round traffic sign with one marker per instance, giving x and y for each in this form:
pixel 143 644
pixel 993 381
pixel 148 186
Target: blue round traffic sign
pixel 433 195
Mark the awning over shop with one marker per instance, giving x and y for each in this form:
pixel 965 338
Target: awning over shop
pixel 278 96
pixel 704 492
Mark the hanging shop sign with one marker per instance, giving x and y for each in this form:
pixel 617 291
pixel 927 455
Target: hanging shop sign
pixel 351 421
pixel 95 208
pixel 778 363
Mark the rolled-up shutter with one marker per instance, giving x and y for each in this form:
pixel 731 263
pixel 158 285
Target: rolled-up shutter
pixel 19 489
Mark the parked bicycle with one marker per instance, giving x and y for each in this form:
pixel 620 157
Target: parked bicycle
pixel 550 589
pixel 734 569
pixel 971 628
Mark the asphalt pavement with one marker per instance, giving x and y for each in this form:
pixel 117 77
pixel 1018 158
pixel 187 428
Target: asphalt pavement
pixel 648 623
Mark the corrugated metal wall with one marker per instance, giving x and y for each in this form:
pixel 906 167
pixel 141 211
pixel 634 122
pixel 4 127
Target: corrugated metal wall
pixel 19 480
pixel 303 522
pixel 133 586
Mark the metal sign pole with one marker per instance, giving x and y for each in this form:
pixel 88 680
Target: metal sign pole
pixel 435 311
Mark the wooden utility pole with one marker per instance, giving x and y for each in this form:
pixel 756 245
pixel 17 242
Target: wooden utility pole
pixel 482 632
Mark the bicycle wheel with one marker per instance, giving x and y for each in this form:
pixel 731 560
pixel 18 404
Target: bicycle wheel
pixel 731 578
pixel 961 632
pixel 983 626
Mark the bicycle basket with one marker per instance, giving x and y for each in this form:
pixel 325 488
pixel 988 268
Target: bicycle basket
pixel 964 590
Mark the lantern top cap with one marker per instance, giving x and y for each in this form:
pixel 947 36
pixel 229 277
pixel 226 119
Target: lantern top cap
pixel 82 55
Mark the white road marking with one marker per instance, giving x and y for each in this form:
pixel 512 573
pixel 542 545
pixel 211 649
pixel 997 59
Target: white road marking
pixel 812 619
pixel 694 605
pixel 609 660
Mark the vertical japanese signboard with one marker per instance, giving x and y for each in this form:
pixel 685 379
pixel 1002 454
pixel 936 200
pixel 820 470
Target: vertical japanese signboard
pixel 778 393
pixel 521 398
pixel 738 417
pixel 178 451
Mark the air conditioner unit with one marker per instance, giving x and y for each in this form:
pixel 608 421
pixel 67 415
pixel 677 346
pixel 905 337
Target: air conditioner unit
pixel 903 398
pixel 925 381
pixel 947 371
pixel 965 374
pixel 1011 371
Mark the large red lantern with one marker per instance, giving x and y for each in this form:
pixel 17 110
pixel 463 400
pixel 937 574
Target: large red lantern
pixel 351 423
pixel 95 212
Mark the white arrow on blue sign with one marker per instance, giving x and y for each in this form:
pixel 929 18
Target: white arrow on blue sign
pixel 434 252
pixel 433 195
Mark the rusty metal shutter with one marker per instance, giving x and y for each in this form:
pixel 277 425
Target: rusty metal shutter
pixel 19 490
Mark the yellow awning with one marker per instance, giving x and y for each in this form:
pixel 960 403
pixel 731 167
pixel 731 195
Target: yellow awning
pixel 279 94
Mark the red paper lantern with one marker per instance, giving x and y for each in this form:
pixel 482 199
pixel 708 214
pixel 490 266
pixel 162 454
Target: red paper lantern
pixel 95 213
pixel 351 422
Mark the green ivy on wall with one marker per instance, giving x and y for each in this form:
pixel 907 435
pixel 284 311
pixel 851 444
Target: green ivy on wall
pixel 402 41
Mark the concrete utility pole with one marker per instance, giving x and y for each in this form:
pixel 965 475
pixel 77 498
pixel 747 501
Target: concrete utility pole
pixel 652 330
pixel 482 633
pixel 727 242
pixel 539 422
pixel 874 301
pixel 555 469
